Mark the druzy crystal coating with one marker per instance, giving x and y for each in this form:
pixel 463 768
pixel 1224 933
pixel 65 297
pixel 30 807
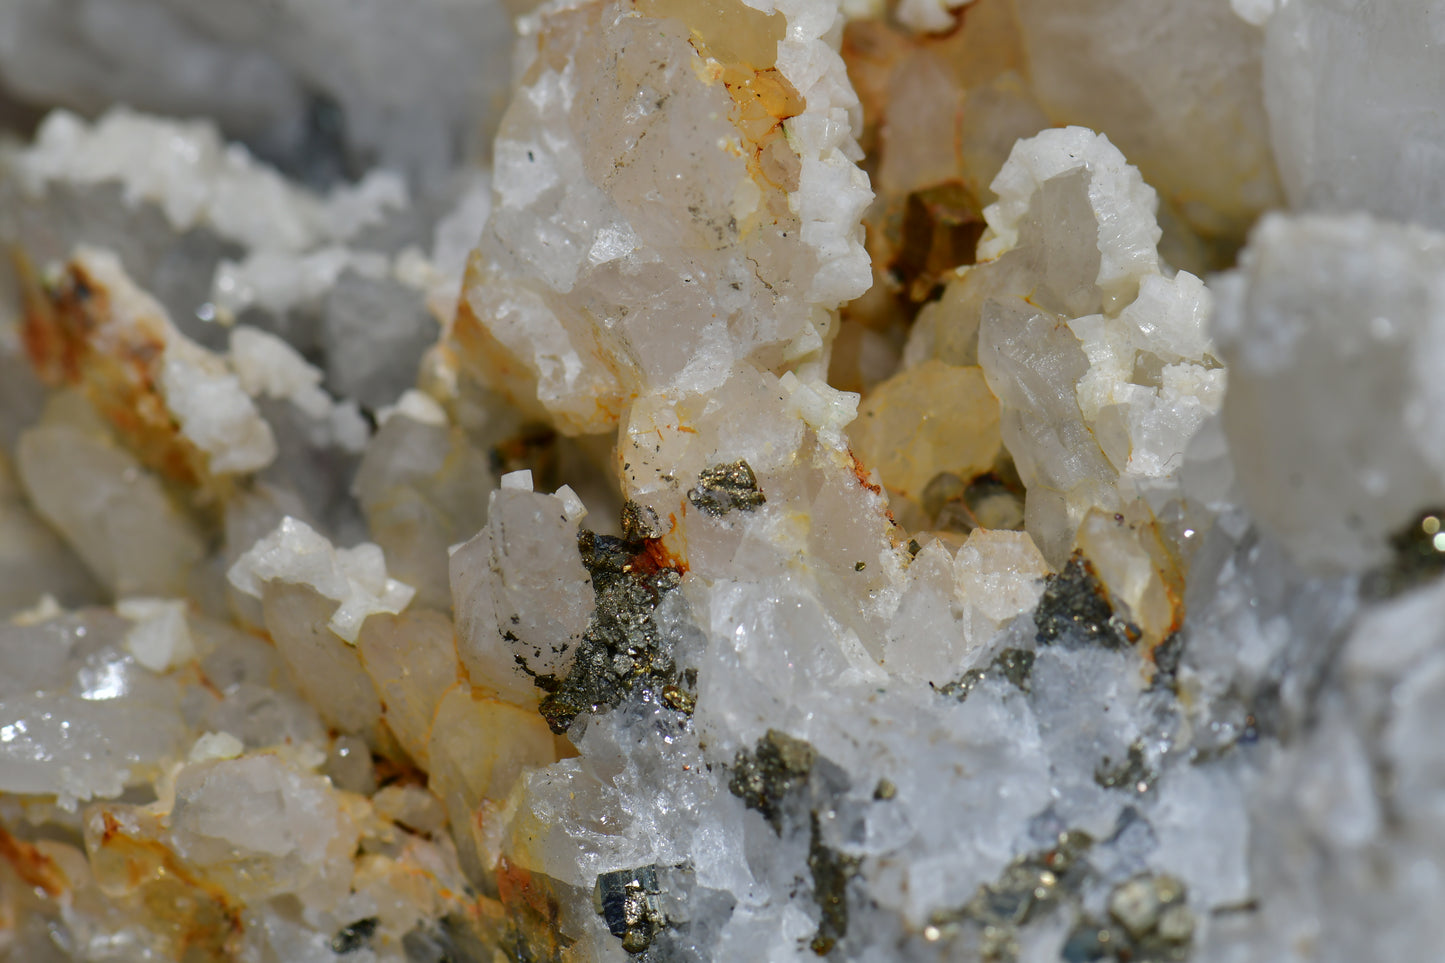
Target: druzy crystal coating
pixel 721 480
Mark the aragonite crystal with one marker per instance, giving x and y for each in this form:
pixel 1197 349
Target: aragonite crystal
pixel 717 480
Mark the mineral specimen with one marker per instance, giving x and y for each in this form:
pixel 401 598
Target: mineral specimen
pixel 721 480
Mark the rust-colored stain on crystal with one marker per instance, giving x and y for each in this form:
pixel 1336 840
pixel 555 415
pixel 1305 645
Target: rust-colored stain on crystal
pixel 191 914
pixel 861 472
pixel 763 100
pixel 31 865
pixel 654 557
pixel 532 909
pixel 71 338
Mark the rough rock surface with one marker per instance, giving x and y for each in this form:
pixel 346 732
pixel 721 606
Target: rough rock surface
pixel 732 480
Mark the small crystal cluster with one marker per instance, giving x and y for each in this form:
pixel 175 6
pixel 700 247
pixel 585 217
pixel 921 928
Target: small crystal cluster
pixel 717 480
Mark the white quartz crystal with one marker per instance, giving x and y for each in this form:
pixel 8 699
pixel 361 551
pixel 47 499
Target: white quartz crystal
pixel 1182 96
pixel 420 546
pixel 160 639
pixel 927 15
pixel 76 749
pixel 216 745
pixel 82 718
pixel 1122 205
pixel 355 578
pixel 1325 319
pixel 34 560
pixel 114 514
pixel 293 837
pixel 521 590
pixel 1099 355
pixel 1330 70
pixel 585 288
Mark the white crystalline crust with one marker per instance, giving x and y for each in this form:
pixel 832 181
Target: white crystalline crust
pixel 268 367
pixel 1098 353
pixel 831 191
pixel 929 15
pixel 196 178
pixel 277 278
pixel 354 577
pixel 1256 12
pixel 294 242
pixel 594 622
pixel 1124 207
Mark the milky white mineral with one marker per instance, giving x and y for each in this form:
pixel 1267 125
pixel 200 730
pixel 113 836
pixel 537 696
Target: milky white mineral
pixel 1177 85
pixel 355 578
pixel 1334 332
pixel 904 481
pixel 1349 93
pixel 197 178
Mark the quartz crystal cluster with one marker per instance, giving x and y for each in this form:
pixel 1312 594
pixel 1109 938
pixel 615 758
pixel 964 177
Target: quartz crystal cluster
pixel 721 480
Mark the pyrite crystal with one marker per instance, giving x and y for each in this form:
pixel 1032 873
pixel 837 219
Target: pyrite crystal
pixel 721 480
